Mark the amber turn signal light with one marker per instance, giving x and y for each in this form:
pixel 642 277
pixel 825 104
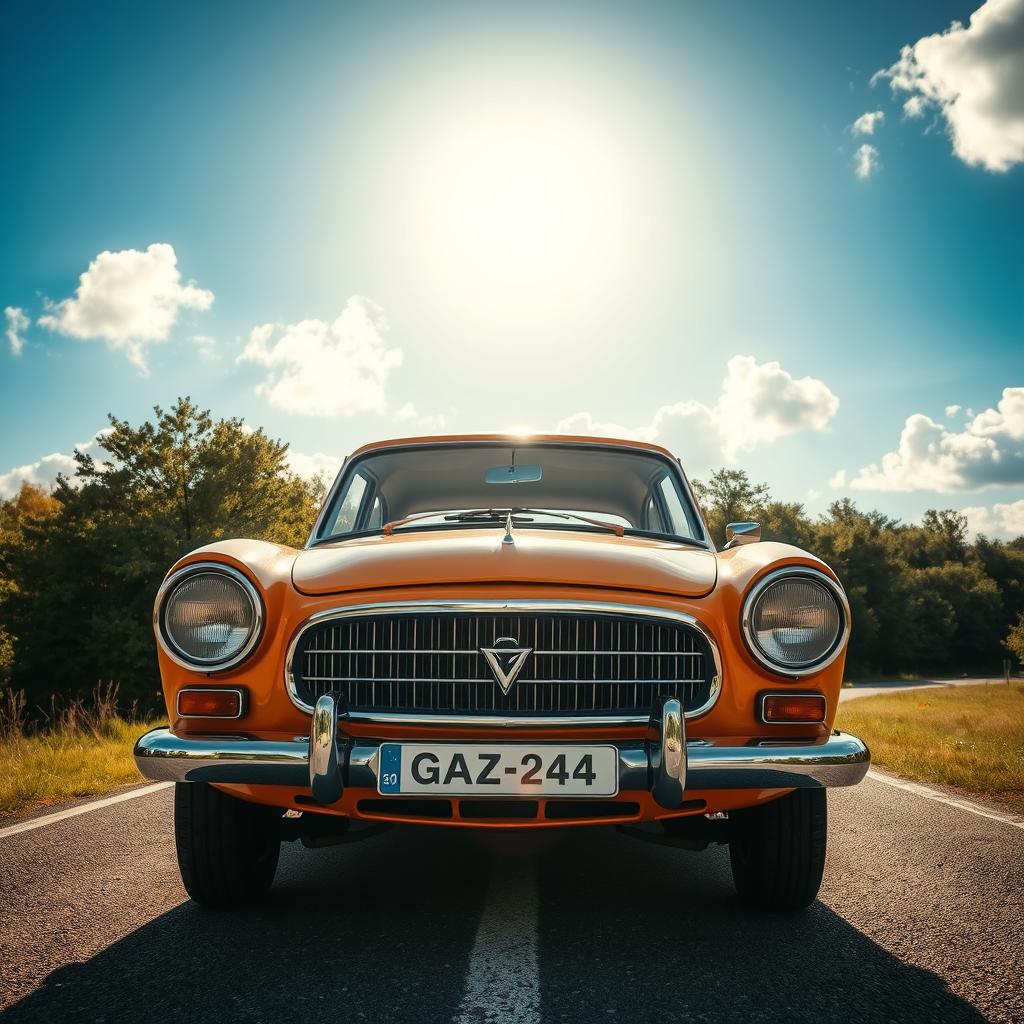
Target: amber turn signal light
pixel 196 702
pixel 793 708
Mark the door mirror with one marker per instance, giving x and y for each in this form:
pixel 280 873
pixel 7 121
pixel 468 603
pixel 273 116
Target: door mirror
pixel 742 533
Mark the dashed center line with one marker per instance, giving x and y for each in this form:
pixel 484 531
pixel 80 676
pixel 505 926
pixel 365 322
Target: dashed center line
pixel 503 980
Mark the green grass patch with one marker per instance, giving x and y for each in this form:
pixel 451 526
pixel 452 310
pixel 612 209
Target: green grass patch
pixel 39 769
pixel 968 737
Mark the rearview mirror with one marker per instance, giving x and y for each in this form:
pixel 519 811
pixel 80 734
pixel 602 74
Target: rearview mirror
pixel 513 475
pixel 742 533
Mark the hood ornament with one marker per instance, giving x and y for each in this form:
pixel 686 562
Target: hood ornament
pixel 508 538
pixel 506 659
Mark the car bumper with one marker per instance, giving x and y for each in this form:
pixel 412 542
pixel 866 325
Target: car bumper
pixel 665 764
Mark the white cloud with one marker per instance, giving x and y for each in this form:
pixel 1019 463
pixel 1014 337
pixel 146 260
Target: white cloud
pixel 915 107
pixel 952 410
pixel 310 467
pixel 975 76
pixel 867 122
pixel 585 424
pixel 44 471
pixel 838 480
pixel 408 414
pixel 988 452
pixel 1003 522
pixel 759 403
pixel 17 324
pixel 206 345
pixel 865 161
pixel 128 299
pixel 318 368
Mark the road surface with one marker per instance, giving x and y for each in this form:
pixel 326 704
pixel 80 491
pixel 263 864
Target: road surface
pixel 921 918
pixel 902 685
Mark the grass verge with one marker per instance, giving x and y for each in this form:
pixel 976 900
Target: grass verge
pixel 970 737
pixel 53 767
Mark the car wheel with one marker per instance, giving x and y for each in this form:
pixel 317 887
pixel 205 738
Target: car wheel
pixel 227 848
pixel 778 850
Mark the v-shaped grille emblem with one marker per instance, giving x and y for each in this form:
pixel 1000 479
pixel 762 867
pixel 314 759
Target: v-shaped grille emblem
pixel 506 659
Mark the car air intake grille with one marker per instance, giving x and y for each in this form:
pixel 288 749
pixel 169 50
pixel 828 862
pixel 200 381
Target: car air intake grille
pixel 431 662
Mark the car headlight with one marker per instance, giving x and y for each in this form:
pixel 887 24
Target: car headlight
pixel 795 621
pixel 208 616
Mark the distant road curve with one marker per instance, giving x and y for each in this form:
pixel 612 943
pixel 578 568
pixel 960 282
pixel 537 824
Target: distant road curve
pixel 902 685
pixel 921 918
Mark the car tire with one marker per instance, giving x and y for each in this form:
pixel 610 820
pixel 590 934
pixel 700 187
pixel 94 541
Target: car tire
pixel 227 848
pixel 778 850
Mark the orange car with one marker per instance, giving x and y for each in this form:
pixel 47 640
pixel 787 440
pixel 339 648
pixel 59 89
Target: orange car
pixel 503 632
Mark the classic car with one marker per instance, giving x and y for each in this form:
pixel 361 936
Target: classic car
pixel 501 632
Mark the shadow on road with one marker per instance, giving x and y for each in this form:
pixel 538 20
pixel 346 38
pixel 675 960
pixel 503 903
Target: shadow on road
pixel 382 931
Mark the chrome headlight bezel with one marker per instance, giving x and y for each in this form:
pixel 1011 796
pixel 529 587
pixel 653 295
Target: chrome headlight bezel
pixel 758 591
pixel 179 657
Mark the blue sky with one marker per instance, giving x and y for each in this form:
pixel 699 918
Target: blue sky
pixel 383 219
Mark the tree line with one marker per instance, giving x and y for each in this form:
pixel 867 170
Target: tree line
pixel 80 564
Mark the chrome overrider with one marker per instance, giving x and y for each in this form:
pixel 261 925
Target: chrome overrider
pixel 665 763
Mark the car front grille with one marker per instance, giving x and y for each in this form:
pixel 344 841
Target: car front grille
pixel 581 662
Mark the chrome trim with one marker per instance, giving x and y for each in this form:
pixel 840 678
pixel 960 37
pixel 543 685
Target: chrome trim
pixel 195 569
pixel 836 760
pixel 213 689
pixel 494 721
pixel 668 754
pixel 164 757
pixel 742 533
pixel 512 605
pixel 797 672
pixel 793 693
pixel 324 770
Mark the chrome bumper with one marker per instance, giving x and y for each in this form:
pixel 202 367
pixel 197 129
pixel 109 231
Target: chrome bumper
pixel 665 764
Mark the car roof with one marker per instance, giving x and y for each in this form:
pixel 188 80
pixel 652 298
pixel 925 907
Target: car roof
pixel 523 439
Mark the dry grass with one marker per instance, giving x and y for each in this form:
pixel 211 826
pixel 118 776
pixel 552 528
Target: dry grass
pixel 81 749
pixel 969 737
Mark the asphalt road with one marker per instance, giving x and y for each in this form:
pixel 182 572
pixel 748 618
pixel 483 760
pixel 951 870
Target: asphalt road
pixel 921 918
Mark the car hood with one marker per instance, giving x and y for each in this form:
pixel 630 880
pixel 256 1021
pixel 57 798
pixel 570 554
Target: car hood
pixel 478 556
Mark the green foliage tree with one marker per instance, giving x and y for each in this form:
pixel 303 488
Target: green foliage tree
pixel 1015 640
pixel 729 496
pixel 88 573
pixel 922 597
pixel 31 504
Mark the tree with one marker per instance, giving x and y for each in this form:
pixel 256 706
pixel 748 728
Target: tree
pixel 87 576
pixel 31 503
pixel 729 497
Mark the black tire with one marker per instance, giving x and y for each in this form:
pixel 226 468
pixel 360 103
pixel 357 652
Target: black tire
pixel 227 848
pixel 778 850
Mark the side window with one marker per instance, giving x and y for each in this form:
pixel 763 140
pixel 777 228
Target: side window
pixel 673 506
pixel 349 508
pixel 375 519
pixel 652 516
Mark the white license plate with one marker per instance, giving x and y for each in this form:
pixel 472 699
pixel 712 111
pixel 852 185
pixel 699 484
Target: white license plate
pixel 497 769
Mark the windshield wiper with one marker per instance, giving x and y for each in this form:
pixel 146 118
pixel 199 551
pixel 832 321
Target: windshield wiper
pixel 501 516
pixel 503 513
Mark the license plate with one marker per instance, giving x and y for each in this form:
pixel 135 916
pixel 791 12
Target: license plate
pixel 498 769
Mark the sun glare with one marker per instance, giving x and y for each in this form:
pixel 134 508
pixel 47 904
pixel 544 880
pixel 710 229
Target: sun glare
pixel 513 196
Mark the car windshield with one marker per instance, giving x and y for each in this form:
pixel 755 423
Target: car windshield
pixel 544 486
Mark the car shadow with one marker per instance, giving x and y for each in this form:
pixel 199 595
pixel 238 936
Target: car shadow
pixel 643 927
pixel 382 931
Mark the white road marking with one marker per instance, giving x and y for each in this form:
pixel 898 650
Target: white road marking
pixel 503 980
pixel 1016 821
pixel 72 812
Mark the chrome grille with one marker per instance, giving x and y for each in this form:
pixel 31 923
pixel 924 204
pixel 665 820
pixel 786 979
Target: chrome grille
pixel 429 662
